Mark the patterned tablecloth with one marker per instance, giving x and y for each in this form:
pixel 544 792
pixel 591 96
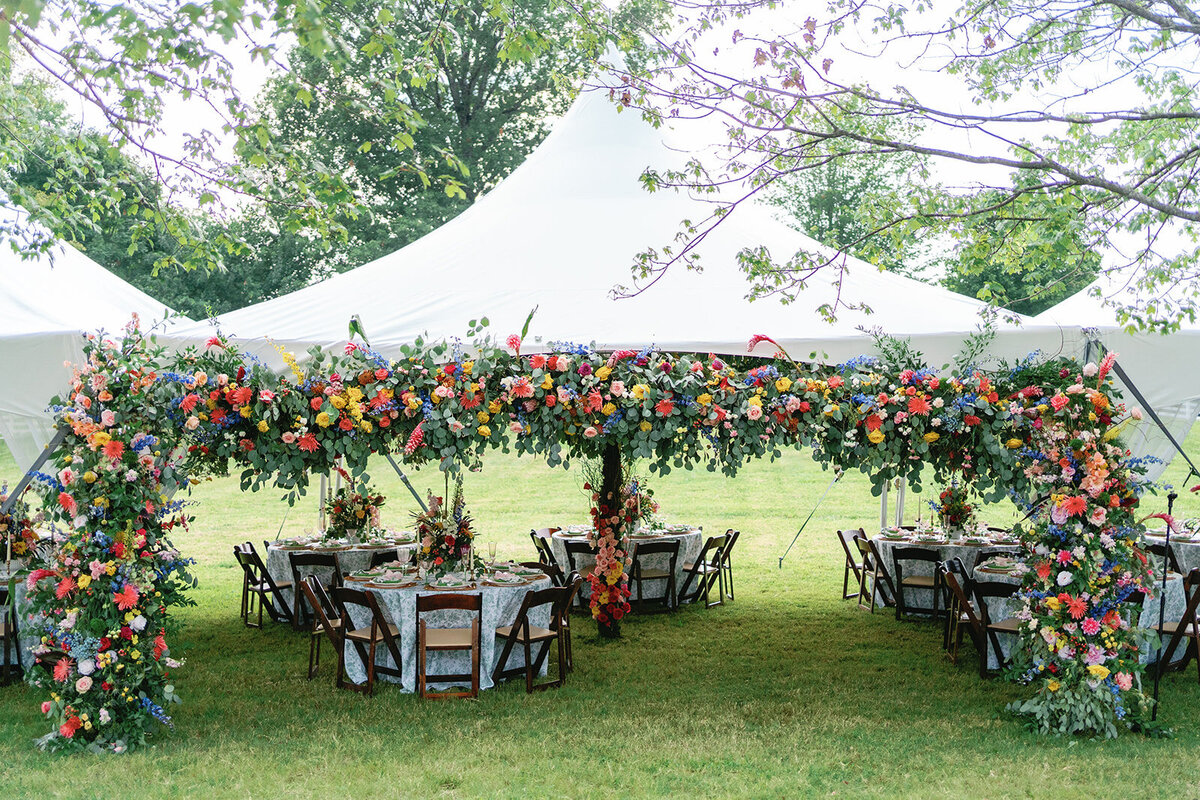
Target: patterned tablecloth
pixel 967 553
pixel 355 559
pixel 27 638
pixel 500 607
pixel 1186 550
pixel 690 541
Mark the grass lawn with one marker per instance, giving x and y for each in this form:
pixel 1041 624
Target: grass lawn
pixel 788 692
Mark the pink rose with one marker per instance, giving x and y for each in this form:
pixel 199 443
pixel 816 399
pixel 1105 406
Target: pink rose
pixel 755 412
pixel 1090 626
pixel 108 418
pixel 289 437
pixel 591 432
pixel 83 684
pixel 617 389
pixel 192 423
pixel 1124 681
pixel 266 395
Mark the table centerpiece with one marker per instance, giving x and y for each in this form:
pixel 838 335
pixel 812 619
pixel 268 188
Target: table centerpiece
pixel 445 535
pixel 956 513
pixel 352 514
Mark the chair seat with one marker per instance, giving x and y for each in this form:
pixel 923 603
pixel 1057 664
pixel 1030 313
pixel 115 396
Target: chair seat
pixel 364 634
pixel 704 569
pixel 919 581
pixel 536 634
pixel 1010 625
pixel 448 639
pixel 266 587
pixel 653 574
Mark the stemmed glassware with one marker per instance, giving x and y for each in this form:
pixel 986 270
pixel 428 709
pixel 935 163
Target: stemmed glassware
pixel 492 556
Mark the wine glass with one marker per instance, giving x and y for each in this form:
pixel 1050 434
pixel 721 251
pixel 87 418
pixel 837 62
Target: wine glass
pixel 308 533
pixel 492 555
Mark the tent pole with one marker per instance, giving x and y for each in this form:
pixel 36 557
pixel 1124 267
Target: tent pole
pixel 404 479
pixel 37 464
pixel 883 505
pixel 901 490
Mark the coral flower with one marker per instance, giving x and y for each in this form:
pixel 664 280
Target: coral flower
pixel 62 670
pixel 308 443
pixel 114 449
pixel 126 598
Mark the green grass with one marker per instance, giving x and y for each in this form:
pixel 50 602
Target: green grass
pixel 788 692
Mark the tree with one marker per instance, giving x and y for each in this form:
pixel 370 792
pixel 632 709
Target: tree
pixel 125 64
pixel 478 103
pixel 1069 117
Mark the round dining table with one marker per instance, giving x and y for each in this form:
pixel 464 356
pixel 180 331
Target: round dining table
pixel 691 541
pixel 501 604
pixel 352 558
pixel 966 551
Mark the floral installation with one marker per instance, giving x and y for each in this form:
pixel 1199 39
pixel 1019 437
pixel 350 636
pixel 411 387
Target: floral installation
pixel 145 422
pixel 953 508
pixel 18 534
pixel 352 512
pixel 100 600
pixel 445 533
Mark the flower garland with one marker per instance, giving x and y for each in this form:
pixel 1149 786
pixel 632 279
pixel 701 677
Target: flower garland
pixel 103 599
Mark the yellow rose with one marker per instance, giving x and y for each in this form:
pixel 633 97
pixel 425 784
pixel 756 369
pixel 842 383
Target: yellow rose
pixel 244 411
pixel 89 477
pixel 323 420
pixel 1053 685
pixel 1098 670
pixel 84 581
pixel 704 399
pixel 483 416
pixel 493 406
pixel 354 394
pixel 485 431
pixel 783 384
pixel 366 426
pixel 603 373
pixel 1013 444
pixel 640 391
pixel 263 426
pixel 608 409
pixel 755 401
pixel 1053 603
pixel 931 437
pixel 467 367
pixel 645 426
pixel 547 382
pixel 337 401
pixel 876 436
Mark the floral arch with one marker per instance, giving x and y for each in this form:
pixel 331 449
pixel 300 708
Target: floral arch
pixel 141 422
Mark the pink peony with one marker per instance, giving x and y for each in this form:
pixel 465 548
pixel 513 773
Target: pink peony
pixel 1124 681
pixel 1090 626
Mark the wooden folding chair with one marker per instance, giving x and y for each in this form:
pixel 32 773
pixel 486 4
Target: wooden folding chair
pixel 551 570
pixel 562 619
pixel 1188 627
pixel 573 550
pixel 366 640
pixel 258 587
pixel 961 612
pixel 726 588
pixel 528 635
pixel 877 574
pixel 706 572
pixel 310 562
pixel 447 639
pixel 640 574
pixel 326 621
pixel 931 582
pixel 9 636
pixel 852 565
pixel 983 592
pixel 541 544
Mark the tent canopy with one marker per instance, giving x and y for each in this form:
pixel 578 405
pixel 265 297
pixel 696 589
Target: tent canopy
pixel 561 231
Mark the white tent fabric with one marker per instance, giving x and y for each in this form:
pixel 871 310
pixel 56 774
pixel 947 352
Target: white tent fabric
pixel 47 303
pixel 561 232
pixel 1165 369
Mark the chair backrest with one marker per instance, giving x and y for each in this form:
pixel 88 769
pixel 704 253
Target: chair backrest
pixel 343 597
pixel 985 553
pixel 384 557
pixel 670 548
pixel 541 544
pixel 731 537
pixel 847 540
pixel 951 579
pixel 915 554
pixel 710 554
pixel 863 544
pixel 554 597
pixel 962 577
pixel 577 548
pixel 574 583
pixel 258 569
pixel 322 606
pixel 299 561
pixel 440 601
pixel 988 590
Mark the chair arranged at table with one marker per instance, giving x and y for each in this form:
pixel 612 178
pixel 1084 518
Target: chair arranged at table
pixel 1165 555
pixel 381 557
pixel 926 555
pixel 562 622
pixel 541 543
pixel 366 640
pixel 874 572
pixel 727 563
pixel 705 572
pixel 530 637
pixel 961 613
pixel 440 640
pixel 326 621
pixel 640 575
pixel 1188 627
pixel 310 561
pixel 984 591
pixel 574 549
pixel 852 565
pixel 258 587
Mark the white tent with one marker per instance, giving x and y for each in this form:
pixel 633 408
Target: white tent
pixel 45 306
pixel 561 232
pixel 1164 368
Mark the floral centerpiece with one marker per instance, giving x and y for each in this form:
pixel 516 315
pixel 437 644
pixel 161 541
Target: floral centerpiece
pixel 352 514
pixel 445 534
pixel 17 534
pixel 956 513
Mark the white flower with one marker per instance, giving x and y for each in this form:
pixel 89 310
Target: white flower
pixel 138 623
pixel 938 402
pixel 86 667
pixel 1090 369
pixel 1064 578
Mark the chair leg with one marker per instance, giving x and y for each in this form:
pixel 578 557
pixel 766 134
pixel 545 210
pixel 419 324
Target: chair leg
pixel 314 647
pixel 371 669
pixel 475 650
pixel 421 656
pixel 528 668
